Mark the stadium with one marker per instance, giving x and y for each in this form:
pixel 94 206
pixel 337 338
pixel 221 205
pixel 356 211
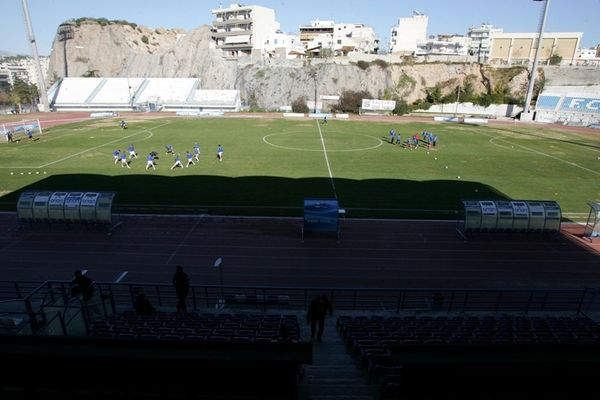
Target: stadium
pixel 298 209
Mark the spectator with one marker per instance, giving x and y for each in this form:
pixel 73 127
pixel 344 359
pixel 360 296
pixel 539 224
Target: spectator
pixel 317 311
pixel 142 305
pixel 82 285
pixel 181 281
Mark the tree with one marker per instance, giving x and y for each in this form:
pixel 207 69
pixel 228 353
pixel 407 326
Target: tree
pixel 555 60
pixel 23 93
pixel 351 101
pixel 299 105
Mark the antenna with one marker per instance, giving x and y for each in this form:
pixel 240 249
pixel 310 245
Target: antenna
pixel 36 57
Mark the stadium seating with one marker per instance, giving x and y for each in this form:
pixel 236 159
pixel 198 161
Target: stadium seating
pixel 404 353
pixel 116 91
pixel 168 90
pixel 241 328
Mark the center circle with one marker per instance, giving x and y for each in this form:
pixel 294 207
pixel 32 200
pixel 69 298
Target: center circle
pixel 334 141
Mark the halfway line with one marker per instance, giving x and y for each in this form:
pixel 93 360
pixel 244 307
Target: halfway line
pixel 327 160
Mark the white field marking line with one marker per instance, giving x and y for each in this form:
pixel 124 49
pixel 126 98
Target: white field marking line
pixel 493 141
pixel 545 155
pixel 327 160
pixel 149 130
pixel 331 151
pixel 181 244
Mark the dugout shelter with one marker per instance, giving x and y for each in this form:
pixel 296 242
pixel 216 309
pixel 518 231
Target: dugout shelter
pixel 66 207
pixel 511 216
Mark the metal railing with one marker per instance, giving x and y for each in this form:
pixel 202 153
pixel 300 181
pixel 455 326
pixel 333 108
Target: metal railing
pixel 112 298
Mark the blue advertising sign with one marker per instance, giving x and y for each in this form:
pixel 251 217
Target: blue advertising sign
pixel 581 104
pixel 321 215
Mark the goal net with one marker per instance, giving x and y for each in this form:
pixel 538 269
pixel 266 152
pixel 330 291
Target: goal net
pixel 19 129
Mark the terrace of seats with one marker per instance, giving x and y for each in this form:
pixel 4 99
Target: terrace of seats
pixel 116 91
pixel 474 356
pixel 168 90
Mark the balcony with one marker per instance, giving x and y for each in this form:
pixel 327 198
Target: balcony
pixel 223 34
pixel 232 21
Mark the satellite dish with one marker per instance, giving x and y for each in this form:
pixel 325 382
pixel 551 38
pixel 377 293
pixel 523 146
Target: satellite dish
pixel 218 262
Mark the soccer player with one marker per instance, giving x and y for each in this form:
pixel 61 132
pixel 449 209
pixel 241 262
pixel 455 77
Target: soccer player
pixel 29 134
pixel 123 124
pixel 124 162
pixel 197 151
pixel 189 157
pixel 177 162
pixel 150 161
pixel 169 149
pixel 220 153
pixel 117 155
pixel 324 119
pixel 132 152
pixel 392 134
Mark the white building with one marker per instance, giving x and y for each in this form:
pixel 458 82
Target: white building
pixel 588 57
pixel 481 42
pixel 409 31
pixel 339 39
pixel 240 30
pixel 282 45
pixel 23 68
pixel 447 45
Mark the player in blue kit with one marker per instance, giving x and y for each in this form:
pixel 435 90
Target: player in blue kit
pixel 132 152
pixel 117 155
pixel 197 152
pixel 124 162
pixel 150 161
pixel 220 153
pixel 189 157
pixel 177 162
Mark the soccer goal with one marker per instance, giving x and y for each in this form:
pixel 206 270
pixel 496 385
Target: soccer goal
pixel 19 129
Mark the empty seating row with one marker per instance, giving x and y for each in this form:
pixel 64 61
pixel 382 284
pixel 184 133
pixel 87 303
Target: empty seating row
pixel 204 327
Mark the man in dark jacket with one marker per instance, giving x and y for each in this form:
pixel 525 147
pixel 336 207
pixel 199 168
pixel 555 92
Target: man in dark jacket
pixel 82 285
pixel 317 311
pixel 181 281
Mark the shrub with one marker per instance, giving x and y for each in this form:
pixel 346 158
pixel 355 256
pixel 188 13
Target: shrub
pixel 363 64
pixel 144 39
pixel 381 63
pixel 351 101
pixel 299 105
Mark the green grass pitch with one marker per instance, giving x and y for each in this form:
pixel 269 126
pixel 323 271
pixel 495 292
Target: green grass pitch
pixel 271 165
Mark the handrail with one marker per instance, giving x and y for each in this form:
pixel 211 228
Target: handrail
pixel 114 297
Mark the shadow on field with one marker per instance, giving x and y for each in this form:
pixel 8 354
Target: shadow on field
pixel 263 195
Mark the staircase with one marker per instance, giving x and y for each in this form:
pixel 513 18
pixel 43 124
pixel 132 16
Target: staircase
pixel 335 373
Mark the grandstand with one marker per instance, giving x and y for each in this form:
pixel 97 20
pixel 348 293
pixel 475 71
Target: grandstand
pixel 148 94
pixel 569 105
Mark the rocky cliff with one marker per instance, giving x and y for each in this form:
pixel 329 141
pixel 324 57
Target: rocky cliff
pixel 118 48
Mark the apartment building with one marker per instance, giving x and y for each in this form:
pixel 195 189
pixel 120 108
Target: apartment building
pixel 409 31
pixel 446 45
pixel 240 30
pixel 481 41
pixel 23 68
pixel 338 38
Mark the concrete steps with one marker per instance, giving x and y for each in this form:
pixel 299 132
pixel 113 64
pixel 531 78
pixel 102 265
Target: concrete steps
pixel 335 374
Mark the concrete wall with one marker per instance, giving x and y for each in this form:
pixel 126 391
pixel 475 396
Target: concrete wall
pixel 571 76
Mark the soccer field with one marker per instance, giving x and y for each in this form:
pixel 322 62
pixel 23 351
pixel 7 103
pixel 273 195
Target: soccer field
pixel 271 165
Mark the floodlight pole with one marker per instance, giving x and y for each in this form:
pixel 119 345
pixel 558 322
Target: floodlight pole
pixel 36 57
pixel 533 73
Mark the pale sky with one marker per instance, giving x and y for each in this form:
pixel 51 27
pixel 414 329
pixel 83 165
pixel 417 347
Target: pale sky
pixel 445 16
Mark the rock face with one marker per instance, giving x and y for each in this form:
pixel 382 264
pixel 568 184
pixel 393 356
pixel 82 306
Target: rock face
pixel 123 49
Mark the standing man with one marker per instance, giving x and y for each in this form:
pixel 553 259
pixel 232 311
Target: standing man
pixel 220 153
pixel 29 134
pixel 117 155
pixel 197 152
pixel 392 134
pixel 181 281
pixel 317 311
pixel 150 161
pixel 123 124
